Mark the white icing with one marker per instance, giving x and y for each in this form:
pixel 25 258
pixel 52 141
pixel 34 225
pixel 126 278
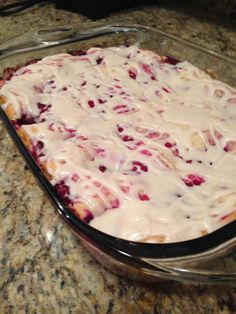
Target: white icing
pixel 140 192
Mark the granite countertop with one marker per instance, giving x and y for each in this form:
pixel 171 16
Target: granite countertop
pixel 43 267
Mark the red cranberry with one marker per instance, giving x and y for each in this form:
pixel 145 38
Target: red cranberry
pixel 127 138
pixel 132 74
pixel 82 138
pixel 168 145
pixel 117 107
pixel 230 146
pixel 62 189
pixel 193 179
pixel 176 152
pixel 197 180
pixel 78 53
pixel 34 154
pixel 88 217
pixel 124 188
pixel 115 203
pixel 75 177
pixel 146 152
pixel 33 61
pixel 43 107
pixel 146 68
pixel 143 197
pixel 99 60
pixel 153 135
pixel 188 182
pixel 91 103
pixel 139 143
pixel 102 168
pixel 225 216
pixel 170 60
pixel 120 129
pixel 39 145
pixel 141 165
pixel 218 135
pixel 24 120
pixel 165 90
pixel 16 126
pixel 9 72
pixel 100 101
pixel 144 168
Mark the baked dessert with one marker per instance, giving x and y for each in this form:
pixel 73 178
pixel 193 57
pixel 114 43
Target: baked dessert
pixel 140 146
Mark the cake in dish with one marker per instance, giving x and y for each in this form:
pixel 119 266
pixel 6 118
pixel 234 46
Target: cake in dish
pixel 140 146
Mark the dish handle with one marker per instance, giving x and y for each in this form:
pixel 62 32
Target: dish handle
pixel 49 37
pixel 217 270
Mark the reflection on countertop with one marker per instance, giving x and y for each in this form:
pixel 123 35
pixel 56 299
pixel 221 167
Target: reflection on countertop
pixel 43 267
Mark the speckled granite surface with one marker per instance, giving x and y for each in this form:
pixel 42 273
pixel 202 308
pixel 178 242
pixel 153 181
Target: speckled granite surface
pixel 43 267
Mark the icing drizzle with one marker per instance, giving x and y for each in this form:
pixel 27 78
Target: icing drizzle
pixel 137 146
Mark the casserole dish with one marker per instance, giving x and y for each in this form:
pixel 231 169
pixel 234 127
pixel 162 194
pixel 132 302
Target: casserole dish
pixel 202 259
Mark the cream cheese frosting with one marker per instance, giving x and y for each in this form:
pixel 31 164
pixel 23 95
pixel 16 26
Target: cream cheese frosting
pixel 139 148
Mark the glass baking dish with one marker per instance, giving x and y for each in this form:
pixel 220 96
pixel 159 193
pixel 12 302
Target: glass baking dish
pixel 208 259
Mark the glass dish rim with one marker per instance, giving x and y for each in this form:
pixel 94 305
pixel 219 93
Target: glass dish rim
pixel 226 235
